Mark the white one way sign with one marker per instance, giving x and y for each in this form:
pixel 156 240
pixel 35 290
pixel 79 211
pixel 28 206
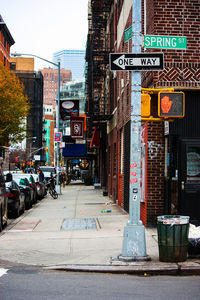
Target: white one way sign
pixel 136 61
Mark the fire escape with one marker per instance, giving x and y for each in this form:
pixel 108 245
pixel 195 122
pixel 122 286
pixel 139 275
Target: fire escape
pixel 97 58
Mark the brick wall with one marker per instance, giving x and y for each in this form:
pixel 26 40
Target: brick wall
pixel 112 165
pixel 181 70
pixel 176 18
pixel 155 172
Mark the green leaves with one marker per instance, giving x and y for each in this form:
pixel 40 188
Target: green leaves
pixel 14 107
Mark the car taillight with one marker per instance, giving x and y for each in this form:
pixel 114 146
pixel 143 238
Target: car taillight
pixel 37 184
pixel 10 195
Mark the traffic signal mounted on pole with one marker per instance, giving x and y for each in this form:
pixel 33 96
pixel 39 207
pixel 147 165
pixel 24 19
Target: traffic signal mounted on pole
pixel 171 105
pixel 145 105
pixel 162 104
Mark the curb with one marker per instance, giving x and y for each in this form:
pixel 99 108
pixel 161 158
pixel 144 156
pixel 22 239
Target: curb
pixel 136 270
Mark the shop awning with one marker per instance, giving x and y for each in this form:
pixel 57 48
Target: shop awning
pixel 95 141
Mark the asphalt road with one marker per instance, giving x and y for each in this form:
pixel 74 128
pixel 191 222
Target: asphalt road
pixel 22 282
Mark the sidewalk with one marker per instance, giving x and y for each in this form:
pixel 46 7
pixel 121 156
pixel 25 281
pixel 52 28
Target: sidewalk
pixel 71 233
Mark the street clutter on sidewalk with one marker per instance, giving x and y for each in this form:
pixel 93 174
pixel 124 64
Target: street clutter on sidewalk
pixel 82 230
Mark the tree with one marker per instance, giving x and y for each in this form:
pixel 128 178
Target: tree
pixel 14 108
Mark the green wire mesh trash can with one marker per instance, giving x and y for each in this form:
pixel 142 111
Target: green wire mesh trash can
pixel 173 238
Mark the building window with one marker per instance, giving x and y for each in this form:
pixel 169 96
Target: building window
pixel 109 161
pixel 115 160
pixel 127 93
pixel 13 66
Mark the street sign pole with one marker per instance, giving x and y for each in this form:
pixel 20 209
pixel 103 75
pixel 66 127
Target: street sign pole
pixel 134 243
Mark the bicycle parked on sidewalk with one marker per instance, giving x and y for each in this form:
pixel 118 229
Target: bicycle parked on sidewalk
pixel 51 188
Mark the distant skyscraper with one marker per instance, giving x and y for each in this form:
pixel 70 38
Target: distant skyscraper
pixel 73 60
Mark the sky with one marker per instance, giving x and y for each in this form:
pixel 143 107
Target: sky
pixel 42 27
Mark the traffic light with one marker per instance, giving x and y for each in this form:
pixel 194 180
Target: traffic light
pixel 145 105
pixel 47 149
pixel 171 105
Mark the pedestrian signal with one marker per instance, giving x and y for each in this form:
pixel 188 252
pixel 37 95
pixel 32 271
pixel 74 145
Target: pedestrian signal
pixel 171 104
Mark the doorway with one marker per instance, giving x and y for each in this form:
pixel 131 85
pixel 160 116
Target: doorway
pixel 189 179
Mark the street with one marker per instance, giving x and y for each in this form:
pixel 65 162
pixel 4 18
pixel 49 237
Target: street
pixel 30 249
pixel 36 283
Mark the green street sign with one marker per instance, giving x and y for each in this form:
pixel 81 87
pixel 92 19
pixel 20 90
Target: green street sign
pixel 128 34
pixel 165 42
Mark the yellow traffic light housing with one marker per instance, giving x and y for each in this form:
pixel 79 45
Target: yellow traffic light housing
pixel 171 105
pixel 145 105
pixel 162 104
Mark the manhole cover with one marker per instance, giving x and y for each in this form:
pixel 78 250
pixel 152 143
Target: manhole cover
pixel 78 224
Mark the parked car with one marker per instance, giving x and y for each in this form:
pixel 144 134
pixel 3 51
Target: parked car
pixel 3 202
pixel 41 188
pixel 16 199
pixel 47 176
pixel 48 169
pixel 26 188
pixel 31 182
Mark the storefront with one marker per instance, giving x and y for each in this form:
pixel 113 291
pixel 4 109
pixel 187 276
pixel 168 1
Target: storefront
pixel 182 161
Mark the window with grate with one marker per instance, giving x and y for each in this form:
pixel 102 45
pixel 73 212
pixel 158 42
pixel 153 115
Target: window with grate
pixel 127 94
pixel 121 165
pixel 109 160
pixel 115 159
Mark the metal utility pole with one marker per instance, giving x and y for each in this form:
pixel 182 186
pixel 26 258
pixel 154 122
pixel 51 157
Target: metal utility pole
pixel 134 243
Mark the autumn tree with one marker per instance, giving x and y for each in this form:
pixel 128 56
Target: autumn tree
pixel 14 108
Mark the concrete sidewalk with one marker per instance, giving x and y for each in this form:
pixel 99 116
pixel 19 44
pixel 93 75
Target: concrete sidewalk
pixel 72 233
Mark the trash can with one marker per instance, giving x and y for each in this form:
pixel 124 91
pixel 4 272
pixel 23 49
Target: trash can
pixel 173 238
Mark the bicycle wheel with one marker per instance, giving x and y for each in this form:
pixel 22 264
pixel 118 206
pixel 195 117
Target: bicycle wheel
pixel 53 194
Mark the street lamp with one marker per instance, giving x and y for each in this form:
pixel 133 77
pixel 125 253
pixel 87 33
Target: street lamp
pixel 35 151
pixel 57 114
pixel 31 143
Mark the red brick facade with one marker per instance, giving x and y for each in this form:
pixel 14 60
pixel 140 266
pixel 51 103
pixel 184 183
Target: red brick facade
pixel 6 41
pixel 181 72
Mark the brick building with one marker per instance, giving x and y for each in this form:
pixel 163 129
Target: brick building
pixel 23 67
pixel 50 90
pixel 6 41
pixel 171 179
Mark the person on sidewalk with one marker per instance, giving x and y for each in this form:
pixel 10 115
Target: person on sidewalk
pixel 63 179
pixel 41 175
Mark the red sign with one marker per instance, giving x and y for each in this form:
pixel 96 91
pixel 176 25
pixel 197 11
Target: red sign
pixel 57 136
pixel 77 128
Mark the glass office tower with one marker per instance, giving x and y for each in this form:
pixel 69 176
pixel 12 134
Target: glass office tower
pixel 73 60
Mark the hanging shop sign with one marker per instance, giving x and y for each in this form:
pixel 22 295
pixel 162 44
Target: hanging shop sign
pixel 77 127
pixel 69 109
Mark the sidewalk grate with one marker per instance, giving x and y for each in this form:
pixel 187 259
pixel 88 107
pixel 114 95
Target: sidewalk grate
pixel 78 224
